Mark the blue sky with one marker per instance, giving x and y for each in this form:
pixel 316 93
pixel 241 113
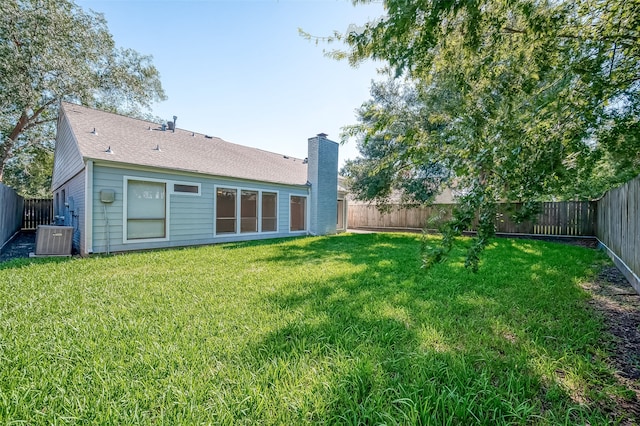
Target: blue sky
pixel 240 71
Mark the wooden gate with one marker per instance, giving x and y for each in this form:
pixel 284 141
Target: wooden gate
pixel 37 211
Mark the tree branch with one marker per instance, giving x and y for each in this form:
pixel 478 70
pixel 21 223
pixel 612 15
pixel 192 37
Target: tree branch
pixel 36 123
pixel 37 112
pixel 630 40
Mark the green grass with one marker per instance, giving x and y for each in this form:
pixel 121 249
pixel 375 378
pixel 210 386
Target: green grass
pixel 344 329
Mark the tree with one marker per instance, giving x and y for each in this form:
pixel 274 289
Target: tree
pixel 52 50
pixel 29 172
pixel 390 162
pixel 519 100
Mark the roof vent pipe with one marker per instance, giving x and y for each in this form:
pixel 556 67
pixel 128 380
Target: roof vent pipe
pixel 174 123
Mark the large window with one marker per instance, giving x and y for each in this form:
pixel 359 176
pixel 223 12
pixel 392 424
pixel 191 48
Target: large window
pixel 298 213
pixel 269 211
pixel 249 211
pixel 245 211
pixel 146 210
pixel 225 211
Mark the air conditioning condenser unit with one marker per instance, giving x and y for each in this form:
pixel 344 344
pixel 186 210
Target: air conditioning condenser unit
pixel 52 240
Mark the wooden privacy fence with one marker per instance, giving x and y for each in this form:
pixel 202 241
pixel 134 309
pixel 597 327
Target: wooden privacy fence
pixel 619 227
pixel 614 220
pixel 37 211
pixel 10 213
pixel 574 218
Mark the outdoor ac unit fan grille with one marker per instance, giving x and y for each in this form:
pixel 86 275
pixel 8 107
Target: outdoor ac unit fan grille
pixel 53 240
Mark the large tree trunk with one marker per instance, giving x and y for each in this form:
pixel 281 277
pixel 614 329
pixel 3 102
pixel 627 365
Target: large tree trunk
pixel 25 122
pixel 6 149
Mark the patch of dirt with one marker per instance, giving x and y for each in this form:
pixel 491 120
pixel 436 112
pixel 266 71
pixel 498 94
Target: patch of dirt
pixel 21 246
pixel 618 302
pixel 578 241
pixel 587 242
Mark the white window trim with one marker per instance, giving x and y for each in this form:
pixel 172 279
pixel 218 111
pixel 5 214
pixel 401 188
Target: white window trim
pixel 186 194
pixel 277 212
pixel 306 214
pixel 167 210
pixel 239 190
pixel 215 210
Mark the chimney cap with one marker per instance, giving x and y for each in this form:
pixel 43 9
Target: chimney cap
pixel 322 135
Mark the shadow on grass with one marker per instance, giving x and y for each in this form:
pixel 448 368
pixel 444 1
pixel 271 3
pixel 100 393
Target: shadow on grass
pixel 512 343
pixel 23 262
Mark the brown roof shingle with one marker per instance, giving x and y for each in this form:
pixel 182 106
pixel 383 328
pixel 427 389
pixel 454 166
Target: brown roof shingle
pixel 132 142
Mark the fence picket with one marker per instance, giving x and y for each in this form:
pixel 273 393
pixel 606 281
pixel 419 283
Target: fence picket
pixel 37 211
pixel 574 218
pixel 619 226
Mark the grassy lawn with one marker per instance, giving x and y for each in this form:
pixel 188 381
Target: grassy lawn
pixel 344 329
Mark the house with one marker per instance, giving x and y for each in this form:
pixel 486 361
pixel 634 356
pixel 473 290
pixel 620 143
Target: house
pixel 343 195
pixel 128 184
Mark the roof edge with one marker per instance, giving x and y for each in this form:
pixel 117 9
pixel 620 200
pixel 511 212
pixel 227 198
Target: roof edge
pixel 130 166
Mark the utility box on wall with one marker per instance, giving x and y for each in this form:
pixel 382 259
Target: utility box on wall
pixel 52 240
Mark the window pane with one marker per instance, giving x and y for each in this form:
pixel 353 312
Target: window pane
pixel 145 200
pixel 192 189
pixel 269 203
pixel 225 211
pixel 225 226
pixel 146 209
pixel 137 228
pixel 298 209
pixel 249 211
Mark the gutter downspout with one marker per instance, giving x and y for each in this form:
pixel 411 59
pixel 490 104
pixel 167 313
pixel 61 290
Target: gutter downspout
pixel 308 212
pixel 88 211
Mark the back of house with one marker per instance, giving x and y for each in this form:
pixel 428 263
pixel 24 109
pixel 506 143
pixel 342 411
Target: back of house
pixel 128 184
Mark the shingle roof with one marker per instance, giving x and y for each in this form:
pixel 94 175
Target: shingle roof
pixel 132 142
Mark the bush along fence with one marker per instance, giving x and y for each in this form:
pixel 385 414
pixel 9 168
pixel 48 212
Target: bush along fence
pixel 11 206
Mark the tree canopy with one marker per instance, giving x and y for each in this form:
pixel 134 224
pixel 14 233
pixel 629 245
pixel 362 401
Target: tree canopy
pixel 513 100
pixel 52 50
